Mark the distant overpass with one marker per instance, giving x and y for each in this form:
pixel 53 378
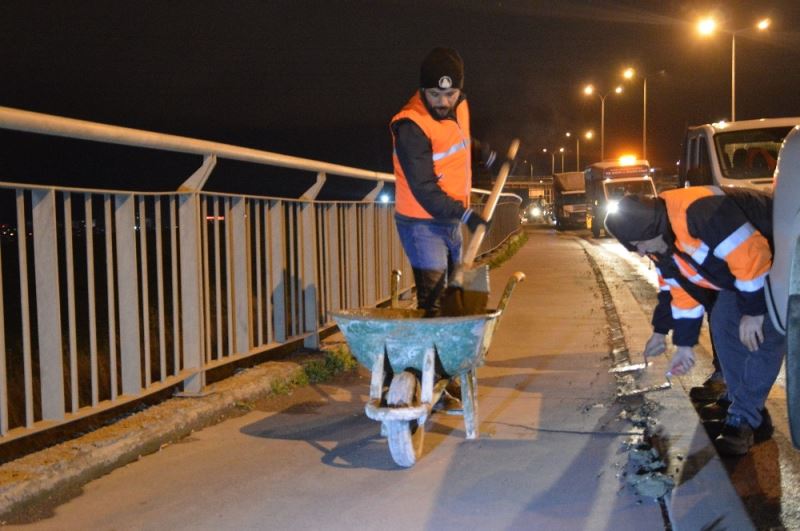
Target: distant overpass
pixel 531 188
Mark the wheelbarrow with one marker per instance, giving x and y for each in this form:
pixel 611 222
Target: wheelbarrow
pixel 414 346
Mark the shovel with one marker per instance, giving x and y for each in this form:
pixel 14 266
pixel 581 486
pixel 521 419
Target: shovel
pixel 468 291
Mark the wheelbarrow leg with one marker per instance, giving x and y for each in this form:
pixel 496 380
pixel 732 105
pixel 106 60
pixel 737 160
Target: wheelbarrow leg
pixel 469 392
pixel 406 437
pixel 376 387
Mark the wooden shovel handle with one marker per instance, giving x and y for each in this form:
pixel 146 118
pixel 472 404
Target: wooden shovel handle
pixel 488 210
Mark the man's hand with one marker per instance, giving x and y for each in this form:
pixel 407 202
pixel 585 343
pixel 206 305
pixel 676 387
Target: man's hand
pixel 751 331
pixel 656 345
pixel 474 220
pixel 682 361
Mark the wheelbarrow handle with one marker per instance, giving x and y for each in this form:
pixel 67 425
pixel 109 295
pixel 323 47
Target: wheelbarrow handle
pixel 488 210
pixel 517 277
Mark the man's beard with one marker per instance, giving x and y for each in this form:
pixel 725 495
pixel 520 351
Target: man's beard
pixel 442 112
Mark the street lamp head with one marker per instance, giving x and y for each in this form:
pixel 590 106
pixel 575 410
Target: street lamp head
pixel 588 90
pixel 629 73
pixel 618 90
pixel 706 26
pixel 763 24
pixel 568 134
pixel 544 150
pixel 589 135
pixel 561 150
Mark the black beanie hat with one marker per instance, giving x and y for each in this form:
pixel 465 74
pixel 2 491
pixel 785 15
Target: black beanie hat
pixel 442 68
pixel 637 219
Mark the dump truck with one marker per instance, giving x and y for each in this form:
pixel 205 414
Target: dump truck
pixel 608 182
pixel 569 199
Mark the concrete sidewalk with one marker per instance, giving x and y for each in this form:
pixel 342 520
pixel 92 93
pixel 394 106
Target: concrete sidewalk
pixel 554 434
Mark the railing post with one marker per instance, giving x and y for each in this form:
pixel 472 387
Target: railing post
pixel 308 268
pixel 130 352
pixel 191 292
pixel 308 252
pixel 238 266
pixel 370 255
pixel 277 228
pixel 48 303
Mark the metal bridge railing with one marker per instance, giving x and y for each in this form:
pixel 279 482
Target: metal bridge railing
pixel 110 295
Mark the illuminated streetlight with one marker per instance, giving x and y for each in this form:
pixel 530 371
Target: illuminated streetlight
pixel 561 150
pixel 708 26
pixel 589 90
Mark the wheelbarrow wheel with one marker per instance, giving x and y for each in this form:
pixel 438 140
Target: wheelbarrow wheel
pixel 405 437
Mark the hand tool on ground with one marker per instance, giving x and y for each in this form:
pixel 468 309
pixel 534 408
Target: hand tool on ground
pixel 468 289
pixel 636 392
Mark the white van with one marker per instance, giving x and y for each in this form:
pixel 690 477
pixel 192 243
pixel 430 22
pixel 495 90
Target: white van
pixel 783 281
pixel 740 154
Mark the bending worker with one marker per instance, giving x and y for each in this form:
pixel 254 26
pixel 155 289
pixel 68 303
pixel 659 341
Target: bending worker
pixel 718 240
pixel 713 387
pixel 431 136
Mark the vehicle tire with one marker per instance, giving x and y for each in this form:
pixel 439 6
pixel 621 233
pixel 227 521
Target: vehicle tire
pixel 595 228
pixel 405 437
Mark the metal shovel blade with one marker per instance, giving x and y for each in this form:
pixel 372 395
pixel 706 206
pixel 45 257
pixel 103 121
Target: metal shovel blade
pixel 470 295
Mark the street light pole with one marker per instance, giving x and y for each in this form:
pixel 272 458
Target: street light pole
pixel 708 26
pixel 552 160
pixel 602 128
pixel 577 150
pixel 561 150
pixel 733 76
pixel 644 119
pixel 589 90
pixel 629 73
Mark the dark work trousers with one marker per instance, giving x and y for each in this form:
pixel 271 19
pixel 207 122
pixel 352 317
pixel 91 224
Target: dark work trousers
pixel 433 249
pixel 748 375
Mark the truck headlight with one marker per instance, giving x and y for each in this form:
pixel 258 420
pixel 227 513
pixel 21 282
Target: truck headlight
pixel 613 206
pixel 536 212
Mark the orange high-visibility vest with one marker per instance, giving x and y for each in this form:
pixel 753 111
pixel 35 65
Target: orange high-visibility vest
pixel 451 156
pixel 746 252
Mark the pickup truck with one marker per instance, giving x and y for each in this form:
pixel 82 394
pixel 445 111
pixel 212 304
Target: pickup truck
pixel 734 154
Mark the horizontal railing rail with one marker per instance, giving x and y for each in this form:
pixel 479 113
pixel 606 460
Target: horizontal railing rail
pixel 109 295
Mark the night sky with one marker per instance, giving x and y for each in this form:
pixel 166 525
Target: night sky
pixel 322 79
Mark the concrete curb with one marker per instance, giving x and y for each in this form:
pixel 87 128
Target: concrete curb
pixel 72 464
pixel 703 496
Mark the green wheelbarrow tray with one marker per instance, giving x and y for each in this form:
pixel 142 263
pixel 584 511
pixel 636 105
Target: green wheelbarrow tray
pixel 404 336
pixel 412 342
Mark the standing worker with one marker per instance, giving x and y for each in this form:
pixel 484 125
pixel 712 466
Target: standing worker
pixel 432 164
pixel 717 239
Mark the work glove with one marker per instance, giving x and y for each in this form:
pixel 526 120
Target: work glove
pixel 751 331
pixel 656 345
pixel 473 220
pixel 682 361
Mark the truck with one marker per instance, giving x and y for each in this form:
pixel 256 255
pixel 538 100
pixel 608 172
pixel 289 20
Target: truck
pixel 569 199
pixel 607 182
pixel 734 154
